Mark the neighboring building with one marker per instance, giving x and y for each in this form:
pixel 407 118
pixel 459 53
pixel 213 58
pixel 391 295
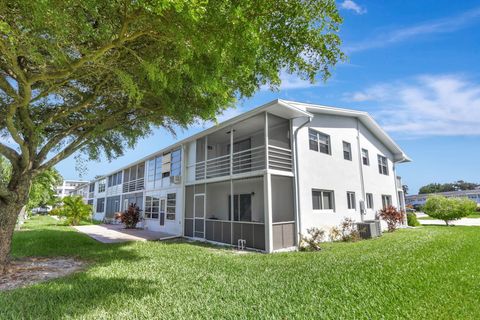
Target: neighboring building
pixel 418 200
pixel 264 177
pixel 68 186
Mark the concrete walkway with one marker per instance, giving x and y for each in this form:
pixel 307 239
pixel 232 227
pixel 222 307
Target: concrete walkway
pixel 461 222
pixel 115 233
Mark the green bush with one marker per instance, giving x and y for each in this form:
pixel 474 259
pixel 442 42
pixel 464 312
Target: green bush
pixel 74 209
pixel 449 209
pixel 412 219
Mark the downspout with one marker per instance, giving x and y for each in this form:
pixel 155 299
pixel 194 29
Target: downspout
pixel 396 192
pixel 296 179
pixel 362 180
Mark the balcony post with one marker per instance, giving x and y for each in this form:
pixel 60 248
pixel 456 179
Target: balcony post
pixel 266 141
pixel 231 151
pixel 267 191
pixel 206 157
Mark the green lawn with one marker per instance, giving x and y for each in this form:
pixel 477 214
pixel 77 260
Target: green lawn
pixel 421 273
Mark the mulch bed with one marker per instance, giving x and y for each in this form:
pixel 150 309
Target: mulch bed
pixel 28 271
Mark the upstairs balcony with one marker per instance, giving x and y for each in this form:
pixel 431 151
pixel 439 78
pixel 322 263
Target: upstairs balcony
pixel 249 160
pixel 133 185
pixel 259 143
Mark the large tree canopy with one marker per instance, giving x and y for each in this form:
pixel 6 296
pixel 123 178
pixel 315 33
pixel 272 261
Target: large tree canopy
pixel 95 75
pixel 459 185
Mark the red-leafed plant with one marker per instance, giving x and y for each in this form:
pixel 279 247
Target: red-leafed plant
pixel 129 217
pixel 392 217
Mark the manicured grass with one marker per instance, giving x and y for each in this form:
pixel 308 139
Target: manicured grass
pixel 421 273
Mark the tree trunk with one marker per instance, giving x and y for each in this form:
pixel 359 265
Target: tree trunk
pixel 9 209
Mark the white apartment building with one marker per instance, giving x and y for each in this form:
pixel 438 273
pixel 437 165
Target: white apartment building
pixel 68 186
pixel 263 177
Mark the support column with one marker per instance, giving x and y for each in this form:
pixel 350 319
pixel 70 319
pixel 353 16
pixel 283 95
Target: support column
pixel 266 141
pixel 267 191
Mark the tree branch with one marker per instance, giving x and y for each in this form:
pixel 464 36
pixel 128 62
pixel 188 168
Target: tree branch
pixel 9 153
pixel 6 194
pixel 118 42
pixel 55 141
pixel 8 89
pixel 66 152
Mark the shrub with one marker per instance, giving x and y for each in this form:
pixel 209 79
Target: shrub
pixel 412 219
pixel 392 217
pixel 348 231
pixel 312 241
pixel 129 217
pixel 74 209
pixel 335 234
pixel 449 209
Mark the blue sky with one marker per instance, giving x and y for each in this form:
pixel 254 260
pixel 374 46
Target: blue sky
pixel 414 65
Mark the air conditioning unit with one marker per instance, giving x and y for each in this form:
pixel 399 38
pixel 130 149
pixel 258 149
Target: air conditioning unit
pixel 378 226
pixel 369 229
pixel 176 179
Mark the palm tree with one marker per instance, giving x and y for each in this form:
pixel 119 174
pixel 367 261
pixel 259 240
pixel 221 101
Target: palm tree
pixel 74 209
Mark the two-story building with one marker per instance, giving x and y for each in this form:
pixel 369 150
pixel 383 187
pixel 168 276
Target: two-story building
pixel 263 177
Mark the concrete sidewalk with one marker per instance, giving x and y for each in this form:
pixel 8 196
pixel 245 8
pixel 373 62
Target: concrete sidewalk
pixel 461 222
pixel 114 233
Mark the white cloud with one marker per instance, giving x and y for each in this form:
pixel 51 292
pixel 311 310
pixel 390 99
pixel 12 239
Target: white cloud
pixel 426 105
pixel 351 5
pixel 445 25
pixel 291 82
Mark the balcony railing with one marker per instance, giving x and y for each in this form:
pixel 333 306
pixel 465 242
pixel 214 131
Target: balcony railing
pixel 134 185
pixel 279 158
pixel 244 161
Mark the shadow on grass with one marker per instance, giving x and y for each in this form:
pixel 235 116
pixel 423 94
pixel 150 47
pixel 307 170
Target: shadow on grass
pixel 49 242
pixel 76 296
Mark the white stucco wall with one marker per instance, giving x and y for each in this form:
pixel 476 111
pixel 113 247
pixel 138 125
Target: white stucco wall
pixel 173 227
pixel 332 172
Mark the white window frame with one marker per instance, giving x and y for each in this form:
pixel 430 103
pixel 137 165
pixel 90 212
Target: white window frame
pixel 386 200
pixel 351 200
pixel 171 209
pixel 347 150
pixel 369 200
pixel 316 134
pixel 102 185
pixel 382 164
pixel 365 157
pixel 332 199
pixel 151 205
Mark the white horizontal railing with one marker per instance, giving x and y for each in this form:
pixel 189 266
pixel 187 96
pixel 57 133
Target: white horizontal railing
pixel 134 185
pixel 244 161
pixel 218 167
pixel 249 160
pixel 279 158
